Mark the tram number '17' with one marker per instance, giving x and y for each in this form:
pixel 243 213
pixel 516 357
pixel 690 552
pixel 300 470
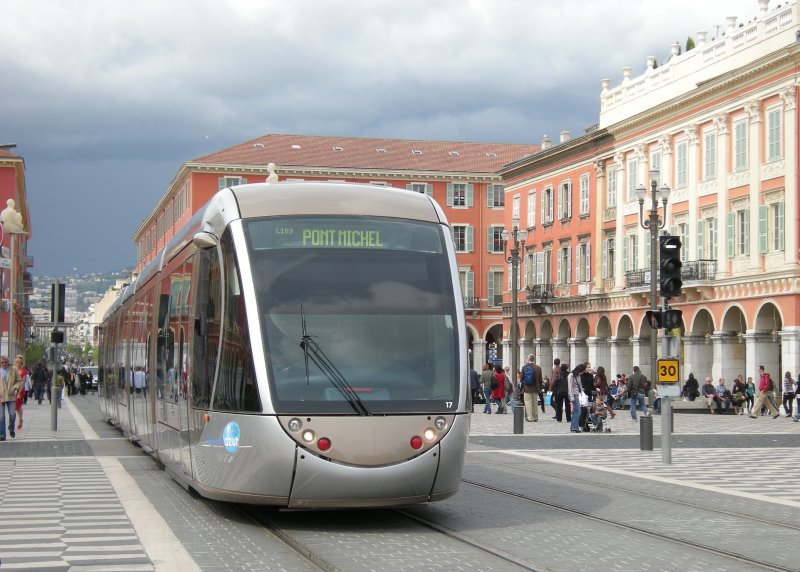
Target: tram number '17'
pixel 448 404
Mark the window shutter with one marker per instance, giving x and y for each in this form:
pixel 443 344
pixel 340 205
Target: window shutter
pixel 763 235
pixel 470 238
pixel 533 209
pixel 470 280
pixel 490 239
pixel 409 186
pixel 560 202
pixel 543 206
pixel 558 267
pixel 429 189
pixel 470 193
pixel 646 253
pixel 569 265
pixel 489 195
pixel 731 234
pixel 625 254
pixel 569 200
pixel 490 288
pixel 700 240
pixel 540 268
pixel 550 207
pixel 588 262
pixel 221 183
pixel 578 263
pixel 604 261
pixel 747 232
pixel 449 194
pixel 780 226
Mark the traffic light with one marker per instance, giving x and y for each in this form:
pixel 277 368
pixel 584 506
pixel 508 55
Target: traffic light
pixel 671 319
pixel 654 318
pixel 670 256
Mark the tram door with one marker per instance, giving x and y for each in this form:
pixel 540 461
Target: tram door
pixel 140 377
pixel 122 364
pixel 181 351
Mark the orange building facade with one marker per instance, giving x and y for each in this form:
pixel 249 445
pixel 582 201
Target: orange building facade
pixel 461 177
pixel 720 126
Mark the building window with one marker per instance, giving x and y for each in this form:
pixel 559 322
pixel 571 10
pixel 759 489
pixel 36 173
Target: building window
pixel 515 207
pixel 707 238
pixel 564 266
pixel 495 196
pixel 740 145
pixel 583 261
pixel 681 171
pixel 421 188
pixel 463 238
pixel 547 205
pixel 531 209
pixel 609 260
pixel 565 201
pixel 771 227
pixel 709 155
pixel 467 280
pixel 544 262
pixel 630 253
pixel 774 134
pixel 495 239
pixel 683 233
pixel 459 194
pixel 225 182
pixel 633 178
pixel 655 161
pixel 584 194
pixel 495 287
pixel 739 232
pixel 612 188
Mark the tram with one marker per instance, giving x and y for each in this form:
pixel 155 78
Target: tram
pixel 299 345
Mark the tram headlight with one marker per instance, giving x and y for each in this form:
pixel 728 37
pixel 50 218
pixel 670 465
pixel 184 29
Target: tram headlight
pixel 295 424
pixel 308 436
pixel 429 434
pixel 440 423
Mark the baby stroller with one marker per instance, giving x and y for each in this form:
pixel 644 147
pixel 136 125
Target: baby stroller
pixel 597 418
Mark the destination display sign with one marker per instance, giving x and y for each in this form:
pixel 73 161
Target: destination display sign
pixel 341 233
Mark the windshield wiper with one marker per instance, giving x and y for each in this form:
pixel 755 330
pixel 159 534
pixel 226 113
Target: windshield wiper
pixel 312 350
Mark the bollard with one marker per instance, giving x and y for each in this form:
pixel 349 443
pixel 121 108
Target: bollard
pixel 666 431
pixel 646 433
pixel 519 417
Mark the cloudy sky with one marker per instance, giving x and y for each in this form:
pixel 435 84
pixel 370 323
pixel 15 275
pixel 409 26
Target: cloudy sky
pixel 106 99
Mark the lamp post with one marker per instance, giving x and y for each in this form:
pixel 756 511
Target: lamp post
pixel 517 237
pixel 654 225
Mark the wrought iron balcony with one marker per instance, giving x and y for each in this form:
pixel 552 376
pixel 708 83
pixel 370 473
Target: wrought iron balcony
pixel 538 292
pixel 471 302
pixel 692 271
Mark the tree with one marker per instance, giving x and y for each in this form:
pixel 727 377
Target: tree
pixel 689 44
pixel 34 352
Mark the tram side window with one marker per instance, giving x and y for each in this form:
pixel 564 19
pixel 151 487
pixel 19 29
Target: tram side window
pixel 206 326
pixel 236 385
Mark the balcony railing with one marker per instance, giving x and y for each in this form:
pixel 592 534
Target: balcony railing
pixel 471 302
pixel 539 292
pixel 692 271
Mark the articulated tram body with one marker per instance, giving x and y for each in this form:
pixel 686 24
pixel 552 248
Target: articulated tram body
pixel 300 345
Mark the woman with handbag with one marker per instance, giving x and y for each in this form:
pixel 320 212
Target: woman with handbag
pixel 19 364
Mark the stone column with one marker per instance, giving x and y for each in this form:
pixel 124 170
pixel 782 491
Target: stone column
pixel 698 355
pixel 600 354
pixel 560 351
pixel 791 149
pixel 544 355
pixel 790 349
pixel 641 355
pixel 578 352
pixel 478 354
pixel 506 353
pixel 525 348
pixel 761 349
pixel 729 356
pixel 621 357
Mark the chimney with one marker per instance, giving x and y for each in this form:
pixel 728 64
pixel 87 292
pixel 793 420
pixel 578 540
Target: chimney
pixel 564 136
pixel 545 142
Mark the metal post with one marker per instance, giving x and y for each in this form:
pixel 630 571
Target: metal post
pixel 654 280
pixel 645 433
pixel 54 395
pixel 519 412
pixel 666 430
pixel 12 288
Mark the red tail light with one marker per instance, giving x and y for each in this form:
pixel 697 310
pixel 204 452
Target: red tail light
pixel 324 444
pixel 416 442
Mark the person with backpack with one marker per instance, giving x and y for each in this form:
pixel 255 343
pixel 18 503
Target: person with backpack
pixel 765 387
pixel 531 388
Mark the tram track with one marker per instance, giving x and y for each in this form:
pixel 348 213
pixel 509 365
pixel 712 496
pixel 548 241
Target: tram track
pixel 682 542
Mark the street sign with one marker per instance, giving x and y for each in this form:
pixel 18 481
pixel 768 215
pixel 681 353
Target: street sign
pixel 668 370
pixel 5 263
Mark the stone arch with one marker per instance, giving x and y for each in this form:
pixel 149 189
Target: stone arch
pixel 703 323
pixel 529 331
pixel 582 330
pixel 603 328
pixel 734 320
pixel 547 330
pixel 625 327
pixel 769 318
pixel 564 330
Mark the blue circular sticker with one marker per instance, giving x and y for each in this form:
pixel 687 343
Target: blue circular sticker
pixel 230 437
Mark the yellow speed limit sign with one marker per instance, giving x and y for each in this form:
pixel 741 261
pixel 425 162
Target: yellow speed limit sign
pixel 668 370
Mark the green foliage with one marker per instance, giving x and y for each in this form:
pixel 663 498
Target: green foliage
pixel 689 44
pixel 34 352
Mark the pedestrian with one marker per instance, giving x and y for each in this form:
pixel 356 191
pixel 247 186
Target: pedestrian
pixel 601 386
pixel 738 394
pixel 749 394
pixel 39 382
pixel 561 394
pixel 10 386
pixel 474 384
pixel 531 388
pixel 499 388
pixel 691 389
pixel 543 389
pixel 486 386
pixel 788 393
pixel 765 386
pixel 575 390
pixel 61 380
pixel 637 391
pixel 19 365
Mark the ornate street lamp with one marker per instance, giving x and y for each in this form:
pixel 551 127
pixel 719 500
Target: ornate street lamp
pixel 654 225
pixel 517 237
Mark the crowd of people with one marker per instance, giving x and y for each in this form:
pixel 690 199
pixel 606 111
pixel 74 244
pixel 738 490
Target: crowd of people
pixel 18 383
pixel 585 392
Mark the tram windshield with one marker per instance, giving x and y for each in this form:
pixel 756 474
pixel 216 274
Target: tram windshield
pixel 358 314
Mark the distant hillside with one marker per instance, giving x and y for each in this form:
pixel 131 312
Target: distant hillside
pixel 89 288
